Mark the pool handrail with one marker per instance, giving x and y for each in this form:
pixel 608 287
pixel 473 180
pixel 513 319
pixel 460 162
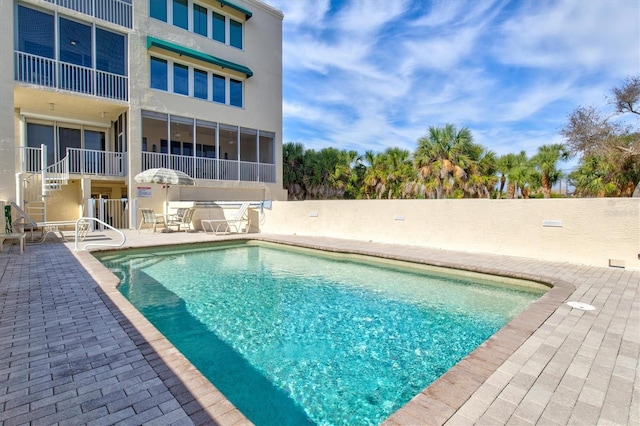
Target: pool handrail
pixel 86 219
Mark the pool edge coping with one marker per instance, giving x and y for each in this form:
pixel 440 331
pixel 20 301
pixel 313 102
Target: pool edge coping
pixel 438 402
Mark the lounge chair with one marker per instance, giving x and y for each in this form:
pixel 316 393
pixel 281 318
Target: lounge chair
pixel 149 217
pixel 25 222
pixel 226 225
pixel 182 219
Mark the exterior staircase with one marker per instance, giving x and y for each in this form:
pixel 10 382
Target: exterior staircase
pixel 36 186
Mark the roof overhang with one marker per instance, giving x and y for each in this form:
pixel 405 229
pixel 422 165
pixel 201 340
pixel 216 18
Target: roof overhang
pixel 185 51
pixel 247 13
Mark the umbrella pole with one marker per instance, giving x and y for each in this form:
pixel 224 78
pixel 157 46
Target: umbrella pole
pixel 166 200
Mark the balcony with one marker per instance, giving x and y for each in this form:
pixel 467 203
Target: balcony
pixel 43 71
pixel 211 168
pixel 108 163
pixel 117 12
pixel 79 161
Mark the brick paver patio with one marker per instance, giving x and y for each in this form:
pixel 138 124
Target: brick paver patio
pixel 73 351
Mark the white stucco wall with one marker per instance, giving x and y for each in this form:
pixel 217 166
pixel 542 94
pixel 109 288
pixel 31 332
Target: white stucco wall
pixel 601 232
pixel 7 134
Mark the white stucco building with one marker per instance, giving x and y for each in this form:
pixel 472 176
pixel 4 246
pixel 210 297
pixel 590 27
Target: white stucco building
pixel 95 91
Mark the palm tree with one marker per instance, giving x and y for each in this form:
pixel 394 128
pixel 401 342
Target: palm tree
pixel 503 165
pixel 443 155
pixel 374 177
pixel 593 178
pixel 293 170
pixel 546 161
pixel 482 178
pixel 517 170
pixel 396 165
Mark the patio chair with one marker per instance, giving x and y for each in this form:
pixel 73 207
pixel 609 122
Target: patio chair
pixel 23 221
pixel 182 219
pixel 26 223
pixel 226 225
pixel 149 217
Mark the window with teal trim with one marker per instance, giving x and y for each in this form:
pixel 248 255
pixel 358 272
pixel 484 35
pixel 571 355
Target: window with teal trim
pixel 218 87
pixel 200 84
pixel 235 93
pixel 159 74
pixel 200 20
pixel 181 13
pixel 180 79
pixel 218 27
pixel 158 9
pixel 235 33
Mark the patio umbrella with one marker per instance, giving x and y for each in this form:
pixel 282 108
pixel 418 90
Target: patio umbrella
pixel 166 177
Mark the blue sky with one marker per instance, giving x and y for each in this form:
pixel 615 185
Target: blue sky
pixel 372 74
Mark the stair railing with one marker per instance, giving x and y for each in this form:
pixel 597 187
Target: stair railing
pixel 82 227
pixel 55 175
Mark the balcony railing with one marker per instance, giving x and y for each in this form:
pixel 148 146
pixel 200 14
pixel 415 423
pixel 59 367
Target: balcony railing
pixel 79 161
pixel 211 168
pixel 95 162
pixel 43 71
pixel 115 11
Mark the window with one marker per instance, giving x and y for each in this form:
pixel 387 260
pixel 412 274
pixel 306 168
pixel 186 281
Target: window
pixel 218 27
pixel 235 93
pixel 235 34
pixel 200 20
pixel 110 52
pixel 42 134
pixel 219 89
pixel 266 147
pixel 75 43
pixel 180 79
pixel 200 84
pixel 159 74
pixel 206 85
pixel 181 14
pixel 36 32
pixel 158 9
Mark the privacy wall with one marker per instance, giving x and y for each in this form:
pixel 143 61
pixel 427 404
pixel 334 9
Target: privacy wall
pixel 600 232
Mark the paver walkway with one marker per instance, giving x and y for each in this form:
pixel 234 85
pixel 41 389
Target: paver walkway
pixel 72 352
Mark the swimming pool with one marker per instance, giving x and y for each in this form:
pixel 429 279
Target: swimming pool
pixel 292 337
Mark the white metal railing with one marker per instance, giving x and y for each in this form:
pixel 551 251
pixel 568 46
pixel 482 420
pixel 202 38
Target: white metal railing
pixel 248 171
pixel 206 168
pixel 96 162
pixel 228 170
pixel 112 86
pixel 114 211
pixel 211 168
pixel 81 225
pixel 80 161
pixel 31 159
pixel 115 11
pixel 267 173
pixel 55 175
pixel 34 69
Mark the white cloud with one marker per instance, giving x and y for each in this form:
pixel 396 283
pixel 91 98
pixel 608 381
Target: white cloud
pixel 585 34
pixel 370 74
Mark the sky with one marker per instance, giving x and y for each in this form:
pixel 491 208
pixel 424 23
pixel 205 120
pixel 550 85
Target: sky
pixel 372 74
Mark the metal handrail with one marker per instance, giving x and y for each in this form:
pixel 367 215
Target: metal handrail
pixel 85 219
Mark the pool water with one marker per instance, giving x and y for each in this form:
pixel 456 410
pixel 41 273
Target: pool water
pixel 296 338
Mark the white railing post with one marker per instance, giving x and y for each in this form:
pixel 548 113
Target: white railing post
pixel 43 168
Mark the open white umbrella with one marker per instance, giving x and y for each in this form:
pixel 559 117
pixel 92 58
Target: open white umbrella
pixel 166 177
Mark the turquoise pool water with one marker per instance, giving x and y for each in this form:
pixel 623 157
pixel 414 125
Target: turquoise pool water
pixel 297 338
